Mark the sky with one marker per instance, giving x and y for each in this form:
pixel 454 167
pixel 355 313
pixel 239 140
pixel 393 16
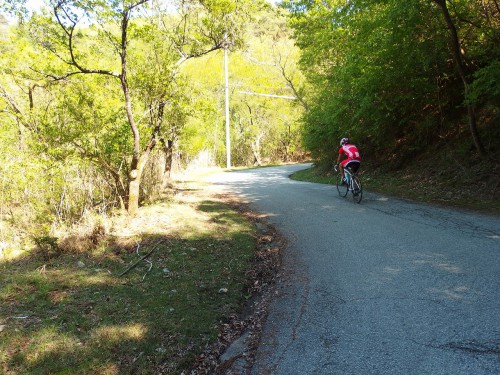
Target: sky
pixel 34 5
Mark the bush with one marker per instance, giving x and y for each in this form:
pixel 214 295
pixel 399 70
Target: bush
pixel 47 247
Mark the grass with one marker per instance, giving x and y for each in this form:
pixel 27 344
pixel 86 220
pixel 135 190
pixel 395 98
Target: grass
pixel 75 314
pixel 315 175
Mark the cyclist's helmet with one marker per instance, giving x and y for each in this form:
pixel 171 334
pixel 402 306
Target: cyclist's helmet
pixel 344 141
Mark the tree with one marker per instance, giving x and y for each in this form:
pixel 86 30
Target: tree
pixel 263 76
pixel 117 25
pixel 461 69
pixel 381 72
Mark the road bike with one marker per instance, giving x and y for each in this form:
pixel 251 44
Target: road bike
pixel 352 184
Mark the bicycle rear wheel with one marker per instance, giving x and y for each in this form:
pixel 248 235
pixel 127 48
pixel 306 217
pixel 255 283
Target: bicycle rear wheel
pixel 357 189
pixel 343 189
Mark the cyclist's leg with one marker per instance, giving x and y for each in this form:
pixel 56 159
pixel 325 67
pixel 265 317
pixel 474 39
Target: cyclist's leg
pixel 341 167
pixel 353 165
pixel 357 193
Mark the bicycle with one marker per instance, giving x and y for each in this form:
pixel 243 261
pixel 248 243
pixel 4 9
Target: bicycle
pixel 352 185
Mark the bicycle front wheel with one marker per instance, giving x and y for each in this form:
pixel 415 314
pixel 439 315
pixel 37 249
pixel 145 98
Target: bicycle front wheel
pixel 343 189
pixel 357 189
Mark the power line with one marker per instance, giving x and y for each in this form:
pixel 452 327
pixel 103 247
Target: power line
pixel 268 95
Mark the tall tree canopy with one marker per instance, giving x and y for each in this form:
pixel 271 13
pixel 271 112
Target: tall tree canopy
pixel 96 98
pixel 267 96
pixel 394 75
pixel 131 46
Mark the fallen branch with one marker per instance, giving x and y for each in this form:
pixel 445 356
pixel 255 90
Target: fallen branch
pixel 149 269
pixel 140 260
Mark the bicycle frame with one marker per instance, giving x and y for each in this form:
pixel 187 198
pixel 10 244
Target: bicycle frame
pixel 349 174
pixel 353 184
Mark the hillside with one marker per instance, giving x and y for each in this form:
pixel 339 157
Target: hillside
pixel 448 173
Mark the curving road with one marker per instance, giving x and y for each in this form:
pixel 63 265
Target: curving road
pixel 383 287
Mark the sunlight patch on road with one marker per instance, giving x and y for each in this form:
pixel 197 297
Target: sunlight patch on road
pixel 458 293
pixel 392 271
pixel 449 267
pixel 444 266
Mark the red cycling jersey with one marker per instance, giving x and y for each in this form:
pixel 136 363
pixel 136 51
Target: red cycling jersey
pixel 352 153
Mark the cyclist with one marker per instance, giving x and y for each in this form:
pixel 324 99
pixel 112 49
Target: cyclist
pixel 353 160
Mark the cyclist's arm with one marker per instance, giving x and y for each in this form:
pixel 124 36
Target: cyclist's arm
pixel 339 157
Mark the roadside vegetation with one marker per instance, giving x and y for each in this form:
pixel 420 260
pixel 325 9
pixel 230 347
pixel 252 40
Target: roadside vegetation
pixel 400 78
pixel 446 179
pixel 146 295
pixel 415 85
pixel 108 265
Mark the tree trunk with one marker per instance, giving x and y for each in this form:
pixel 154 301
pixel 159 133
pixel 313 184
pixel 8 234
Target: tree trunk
pixel 457 54
pixel 120 188
pixel 134 184
pixel 168 150
pixel 256 150
pixel 133 196
pixel 135 164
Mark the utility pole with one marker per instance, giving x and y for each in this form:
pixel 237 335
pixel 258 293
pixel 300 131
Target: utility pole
pixel 226 78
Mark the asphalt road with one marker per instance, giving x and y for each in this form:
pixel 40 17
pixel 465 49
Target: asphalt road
pixel 383 287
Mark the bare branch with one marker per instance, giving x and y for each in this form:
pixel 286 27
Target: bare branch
pixel 67 75
pixel 199 54
pixel 289 82
pixel 141 259
pixel 139 3
pixel 70 34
